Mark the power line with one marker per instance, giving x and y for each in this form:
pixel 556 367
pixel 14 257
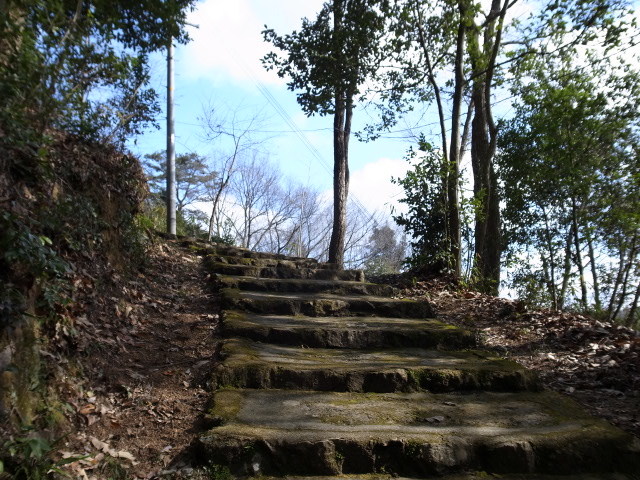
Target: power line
pixel 303 138
pixel 296 130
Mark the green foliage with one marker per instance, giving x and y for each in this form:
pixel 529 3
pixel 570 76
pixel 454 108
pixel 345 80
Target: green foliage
pixel 569 162
pixel 30 255
pixel 29 457
pixel 386 254
pixel 218 472
pixel 425 198
pixel 189 222
pixel 112 469
pixel 194 178
pixel 29 251
pixel 80 66
pixel 226 237
pixel 322 62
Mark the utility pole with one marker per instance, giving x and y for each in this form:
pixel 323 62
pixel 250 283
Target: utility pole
pixel 171 146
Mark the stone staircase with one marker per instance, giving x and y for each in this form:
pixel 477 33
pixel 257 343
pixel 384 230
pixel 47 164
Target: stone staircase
pixel 325 375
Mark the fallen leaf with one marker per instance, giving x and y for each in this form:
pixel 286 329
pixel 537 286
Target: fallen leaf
pixel 87 409
pixel 99 445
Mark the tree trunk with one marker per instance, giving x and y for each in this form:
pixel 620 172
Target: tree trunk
pixel 483 147
pixel 551 285
pixel 341 131
pixel 212 218
pixel 612 300
pixel 342 123
pixel 579 264
pixel 567 269
pixel 485 182
pixel 453 170
pixel 594 273
pixel 625 281
pixel 632 311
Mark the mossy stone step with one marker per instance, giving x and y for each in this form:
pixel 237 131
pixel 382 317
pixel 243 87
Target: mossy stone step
pixel 248 364
pixel 275 432
pixel 323 304
pixel 346 332
pixel 467 476
pixel 297 285
pixel 284 271
pixel 232 251
pixel 270 262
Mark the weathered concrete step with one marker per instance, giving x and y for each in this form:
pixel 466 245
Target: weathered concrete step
pixel 232 251
pixel 270 262
pixel 346 332
pixel 248 364
pixel 466 476
pixel 284 271
pixel 323 304
pixel 275 432
pixel 296 285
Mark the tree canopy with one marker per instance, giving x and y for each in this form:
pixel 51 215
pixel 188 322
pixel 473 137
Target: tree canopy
pixel 82 66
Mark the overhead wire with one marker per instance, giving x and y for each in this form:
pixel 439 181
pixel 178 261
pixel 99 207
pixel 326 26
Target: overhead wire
pixel 264 91
pixel 300 134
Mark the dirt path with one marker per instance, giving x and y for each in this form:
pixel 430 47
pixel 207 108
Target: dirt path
pixel 147 368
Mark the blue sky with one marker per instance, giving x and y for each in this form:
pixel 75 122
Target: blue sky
pixel 221 66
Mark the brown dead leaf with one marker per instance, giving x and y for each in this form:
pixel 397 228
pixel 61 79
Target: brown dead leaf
pixel 87 409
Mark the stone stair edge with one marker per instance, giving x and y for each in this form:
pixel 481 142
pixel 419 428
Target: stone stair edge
pixel 587 446
pixel 466 476
pixel 249 364
pixel 283 272
pixel 224 276
pixel 341 332
pixel 323 304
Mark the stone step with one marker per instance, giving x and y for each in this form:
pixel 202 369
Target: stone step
pixel 467 476
pixel 248 364
pixel 340 287
pixel 283 270
pixel 270 262
pixel 346 332
pixel 240 252
pixel 275 432
pixel 323 304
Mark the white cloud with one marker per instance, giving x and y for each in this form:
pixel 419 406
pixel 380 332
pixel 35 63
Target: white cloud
pixel 372 186
pixel 228 44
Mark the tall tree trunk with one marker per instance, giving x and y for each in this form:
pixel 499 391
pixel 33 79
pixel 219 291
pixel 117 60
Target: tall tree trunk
pixel 630 322
pixel 567 269
pixel 453 170
pixel 483 147
pixel 493 241
pixel 594 272
pixel 214 219
pixel 625 281
pixel 452 148
pixel 612 300
pixel 579 264
pixel 341 132
pixel 551 285
pixel 487 221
